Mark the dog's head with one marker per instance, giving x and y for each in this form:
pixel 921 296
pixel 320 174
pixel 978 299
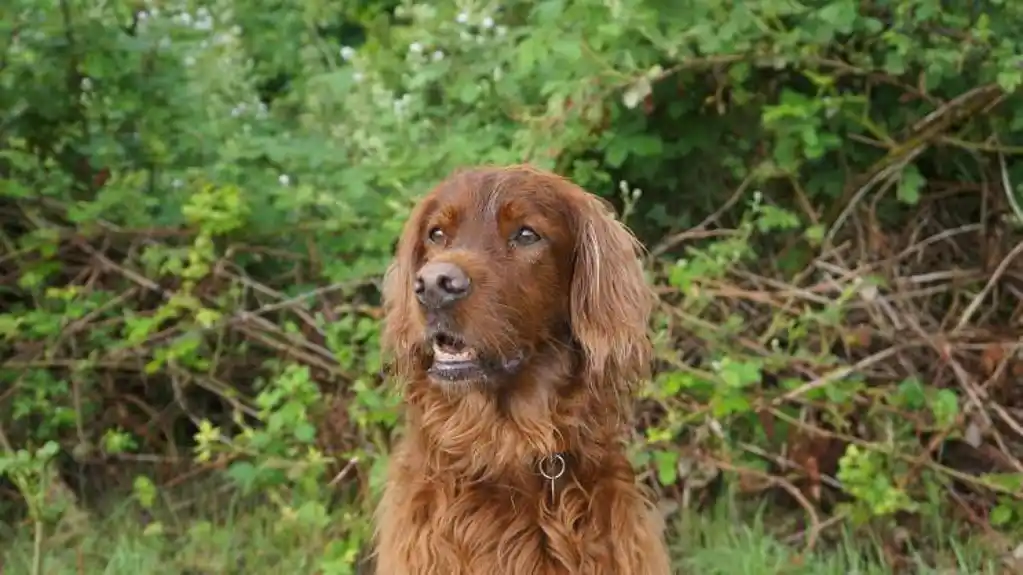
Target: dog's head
pixel 500 268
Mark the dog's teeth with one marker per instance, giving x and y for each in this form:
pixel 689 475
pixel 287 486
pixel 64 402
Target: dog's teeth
pixel 442 356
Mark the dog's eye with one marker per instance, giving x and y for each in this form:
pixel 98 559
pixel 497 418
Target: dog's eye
pixel 525 236
pixel 435 235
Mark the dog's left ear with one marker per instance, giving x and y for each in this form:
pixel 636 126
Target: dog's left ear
pixel 611 302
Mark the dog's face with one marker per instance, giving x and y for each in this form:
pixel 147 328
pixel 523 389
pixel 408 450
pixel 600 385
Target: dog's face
pixel 497 267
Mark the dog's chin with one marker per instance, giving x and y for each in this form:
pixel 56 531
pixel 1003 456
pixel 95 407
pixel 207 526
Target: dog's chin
pixel 449 373
pixel 452 361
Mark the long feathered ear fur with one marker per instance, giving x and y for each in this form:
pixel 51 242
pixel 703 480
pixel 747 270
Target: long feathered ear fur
pixel 398 301
pixel 611 301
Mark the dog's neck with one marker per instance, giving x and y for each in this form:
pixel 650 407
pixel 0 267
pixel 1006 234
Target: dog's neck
pixel 480 433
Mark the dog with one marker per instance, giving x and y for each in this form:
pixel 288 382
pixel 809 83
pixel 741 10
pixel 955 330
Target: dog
pixel 516 317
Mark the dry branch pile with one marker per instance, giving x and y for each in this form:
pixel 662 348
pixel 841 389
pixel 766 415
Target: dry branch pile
pixel 927 308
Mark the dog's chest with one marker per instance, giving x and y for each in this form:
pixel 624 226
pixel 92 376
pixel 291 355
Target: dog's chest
pixel 494 529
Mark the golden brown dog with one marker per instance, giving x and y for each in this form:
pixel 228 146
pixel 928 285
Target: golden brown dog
pixel 516 314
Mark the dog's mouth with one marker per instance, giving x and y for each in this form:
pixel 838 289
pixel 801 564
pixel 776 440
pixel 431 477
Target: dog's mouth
pixel 454 360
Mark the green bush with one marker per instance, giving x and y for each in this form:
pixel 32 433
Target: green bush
pixel 198 200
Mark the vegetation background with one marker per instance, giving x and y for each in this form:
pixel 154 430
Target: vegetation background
pixel 198 200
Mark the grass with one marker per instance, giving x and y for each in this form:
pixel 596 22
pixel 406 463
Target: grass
pixel 229 536
pixel 725 544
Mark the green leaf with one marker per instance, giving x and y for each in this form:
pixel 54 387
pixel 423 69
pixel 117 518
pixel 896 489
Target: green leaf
pixel 154 529
pixel 728 404
pixel 1010 79
pixel 617 152
pixel 243 473
pixel 910 394
pixel 910 185
pixel 645 145
pixel 1001 515
pixel 469 92
pixel 814 234
pixel 569 48
pixel 740 374
pixel 841 15
pixel 945 407
pixel 1008 481
pixel 667 466
pixel 305 432
pixel 145 491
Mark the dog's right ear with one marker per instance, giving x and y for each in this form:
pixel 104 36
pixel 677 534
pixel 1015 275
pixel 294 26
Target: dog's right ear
pixel 398 295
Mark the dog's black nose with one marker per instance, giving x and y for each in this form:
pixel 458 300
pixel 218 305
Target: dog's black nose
pixel 439 284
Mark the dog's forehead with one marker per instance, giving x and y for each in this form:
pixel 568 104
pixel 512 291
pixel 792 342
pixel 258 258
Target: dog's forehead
pixel 491 196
